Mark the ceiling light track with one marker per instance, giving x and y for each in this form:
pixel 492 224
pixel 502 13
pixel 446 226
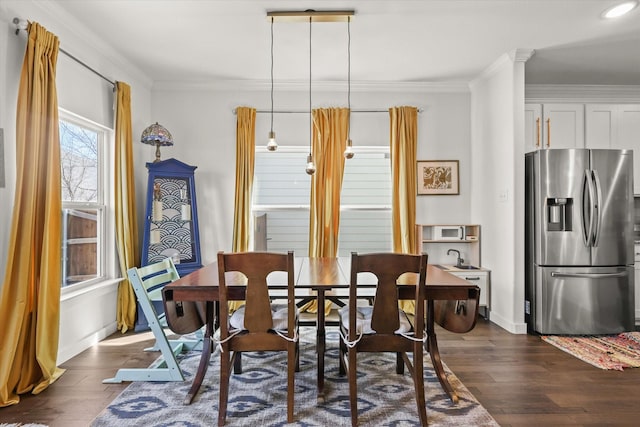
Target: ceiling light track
pixel 314 15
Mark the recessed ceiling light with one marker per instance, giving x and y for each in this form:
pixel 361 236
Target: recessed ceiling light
pixel 620 9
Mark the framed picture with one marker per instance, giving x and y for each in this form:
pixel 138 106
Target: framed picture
pixel 438 177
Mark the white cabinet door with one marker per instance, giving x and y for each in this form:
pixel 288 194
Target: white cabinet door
pixel 563 125
pixel 481 279
pixel 601 125
pixel 533 127
pixel 628 136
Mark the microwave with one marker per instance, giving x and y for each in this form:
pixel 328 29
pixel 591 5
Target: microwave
pixel 448 232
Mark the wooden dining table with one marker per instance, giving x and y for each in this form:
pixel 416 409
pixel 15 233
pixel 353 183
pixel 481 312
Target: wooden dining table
pixel 320 279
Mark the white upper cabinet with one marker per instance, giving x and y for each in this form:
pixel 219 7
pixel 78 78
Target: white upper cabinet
pixel 615 126
pixel 629 127
pixel 563 125
pixel 554 126
pixel 601 126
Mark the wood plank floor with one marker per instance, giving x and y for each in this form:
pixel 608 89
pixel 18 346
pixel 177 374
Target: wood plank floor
pixel 521 380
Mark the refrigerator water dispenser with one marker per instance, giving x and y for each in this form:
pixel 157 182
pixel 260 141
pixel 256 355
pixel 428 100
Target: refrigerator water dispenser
pixel 559 214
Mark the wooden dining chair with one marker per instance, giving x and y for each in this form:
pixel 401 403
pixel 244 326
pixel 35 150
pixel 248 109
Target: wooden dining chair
pixel 384 327
pixel 259 325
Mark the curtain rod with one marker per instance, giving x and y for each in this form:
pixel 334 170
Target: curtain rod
pixel 22 25
pixel 307 111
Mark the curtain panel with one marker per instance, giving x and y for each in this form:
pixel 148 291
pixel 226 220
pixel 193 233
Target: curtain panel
pixel 245 164
pixel 125 208
pixel 30 299
pixel 330 131
pixel 403 148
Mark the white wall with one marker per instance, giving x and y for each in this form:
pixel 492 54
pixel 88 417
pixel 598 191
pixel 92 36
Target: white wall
pixel 203 125
pixel 497 147
pixel 86 316
pixel 477 128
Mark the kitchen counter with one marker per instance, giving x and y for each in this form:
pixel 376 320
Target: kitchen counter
pixel 465 268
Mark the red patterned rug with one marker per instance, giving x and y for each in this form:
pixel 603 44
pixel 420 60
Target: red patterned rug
pixel 605 352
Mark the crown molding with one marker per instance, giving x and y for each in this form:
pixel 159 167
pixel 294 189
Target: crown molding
pixel 509 58
pixel 318 86
pixel 581 93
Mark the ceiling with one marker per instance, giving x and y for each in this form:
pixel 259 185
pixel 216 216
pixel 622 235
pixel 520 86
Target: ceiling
pixel 391 41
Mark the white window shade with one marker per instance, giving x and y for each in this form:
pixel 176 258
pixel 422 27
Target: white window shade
pixel 282 191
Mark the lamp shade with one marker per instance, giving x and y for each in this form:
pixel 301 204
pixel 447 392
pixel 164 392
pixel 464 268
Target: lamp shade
pixel 156 134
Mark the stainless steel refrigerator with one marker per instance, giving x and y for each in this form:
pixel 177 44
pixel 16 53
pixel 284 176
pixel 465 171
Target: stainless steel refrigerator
pixel 579 241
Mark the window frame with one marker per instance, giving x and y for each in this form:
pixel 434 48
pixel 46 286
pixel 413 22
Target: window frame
pixel 105 245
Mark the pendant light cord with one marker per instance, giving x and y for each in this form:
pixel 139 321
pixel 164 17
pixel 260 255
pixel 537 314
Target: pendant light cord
pixel 310 111
pixel 348 74
pixel 272 74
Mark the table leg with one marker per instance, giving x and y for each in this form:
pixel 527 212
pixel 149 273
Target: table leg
pixel 320 344
pixel 432 348
pixel 207 345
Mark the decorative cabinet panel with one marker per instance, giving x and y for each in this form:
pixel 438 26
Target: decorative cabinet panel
pixel 171 220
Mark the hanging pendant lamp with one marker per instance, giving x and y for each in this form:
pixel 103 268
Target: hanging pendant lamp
pixel 272 145
pixel 348 152
pixel 311 167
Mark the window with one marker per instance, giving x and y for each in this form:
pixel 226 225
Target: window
pixel 281 201
pixel 82 158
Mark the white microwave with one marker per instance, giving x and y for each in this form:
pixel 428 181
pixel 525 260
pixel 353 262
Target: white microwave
pixel 448 232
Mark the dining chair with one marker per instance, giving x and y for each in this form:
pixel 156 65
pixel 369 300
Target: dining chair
pixel 147 283
pixel 258 325
pixel 384 327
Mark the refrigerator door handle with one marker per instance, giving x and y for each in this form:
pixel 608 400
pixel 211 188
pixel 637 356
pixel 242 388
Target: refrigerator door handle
pixel 587 216
pixel 590 275
pixel 597 208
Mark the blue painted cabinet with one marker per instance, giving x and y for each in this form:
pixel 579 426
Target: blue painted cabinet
pixel 171 220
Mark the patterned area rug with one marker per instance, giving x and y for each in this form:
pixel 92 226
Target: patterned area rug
pixel 257 397
pixel 605 352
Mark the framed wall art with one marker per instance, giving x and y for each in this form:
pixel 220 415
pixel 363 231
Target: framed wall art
pixel 438 177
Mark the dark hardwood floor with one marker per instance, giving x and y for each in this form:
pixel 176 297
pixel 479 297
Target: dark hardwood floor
pixel 518 378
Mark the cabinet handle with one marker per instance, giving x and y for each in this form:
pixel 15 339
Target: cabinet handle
pixel 538 132
pixel 548 133
pixel 472 278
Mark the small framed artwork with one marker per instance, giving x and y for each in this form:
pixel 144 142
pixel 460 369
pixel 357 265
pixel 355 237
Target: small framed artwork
pixel 438 177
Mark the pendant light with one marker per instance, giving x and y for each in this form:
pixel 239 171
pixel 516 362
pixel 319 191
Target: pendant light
pixel 272 145
pixel 348 152
pixel 311 167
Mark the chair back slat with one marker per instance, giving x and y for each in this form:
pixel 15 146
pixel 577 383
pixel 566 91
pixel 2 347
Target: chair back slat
pixel 256 267
pixel 390 269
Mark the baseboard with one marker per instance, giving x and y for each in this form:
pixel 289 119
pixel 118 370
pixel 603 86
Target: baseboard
pixel 78 347
pixel 508 325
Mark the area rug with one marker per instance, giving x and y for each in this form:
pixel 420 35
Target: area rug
pixel 257 397
pixel 614 352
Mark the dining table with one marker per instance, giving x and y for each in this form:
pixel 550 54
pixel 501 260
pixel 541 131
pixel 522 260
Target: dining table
pixel 323 278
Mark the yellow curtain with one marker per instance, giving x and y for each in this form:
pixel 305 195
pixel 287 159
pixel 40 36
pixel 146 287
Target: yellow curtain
pixel 30 299
pixel 403 148
pixel 245 162
pixel 125 207
pixel 330 130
